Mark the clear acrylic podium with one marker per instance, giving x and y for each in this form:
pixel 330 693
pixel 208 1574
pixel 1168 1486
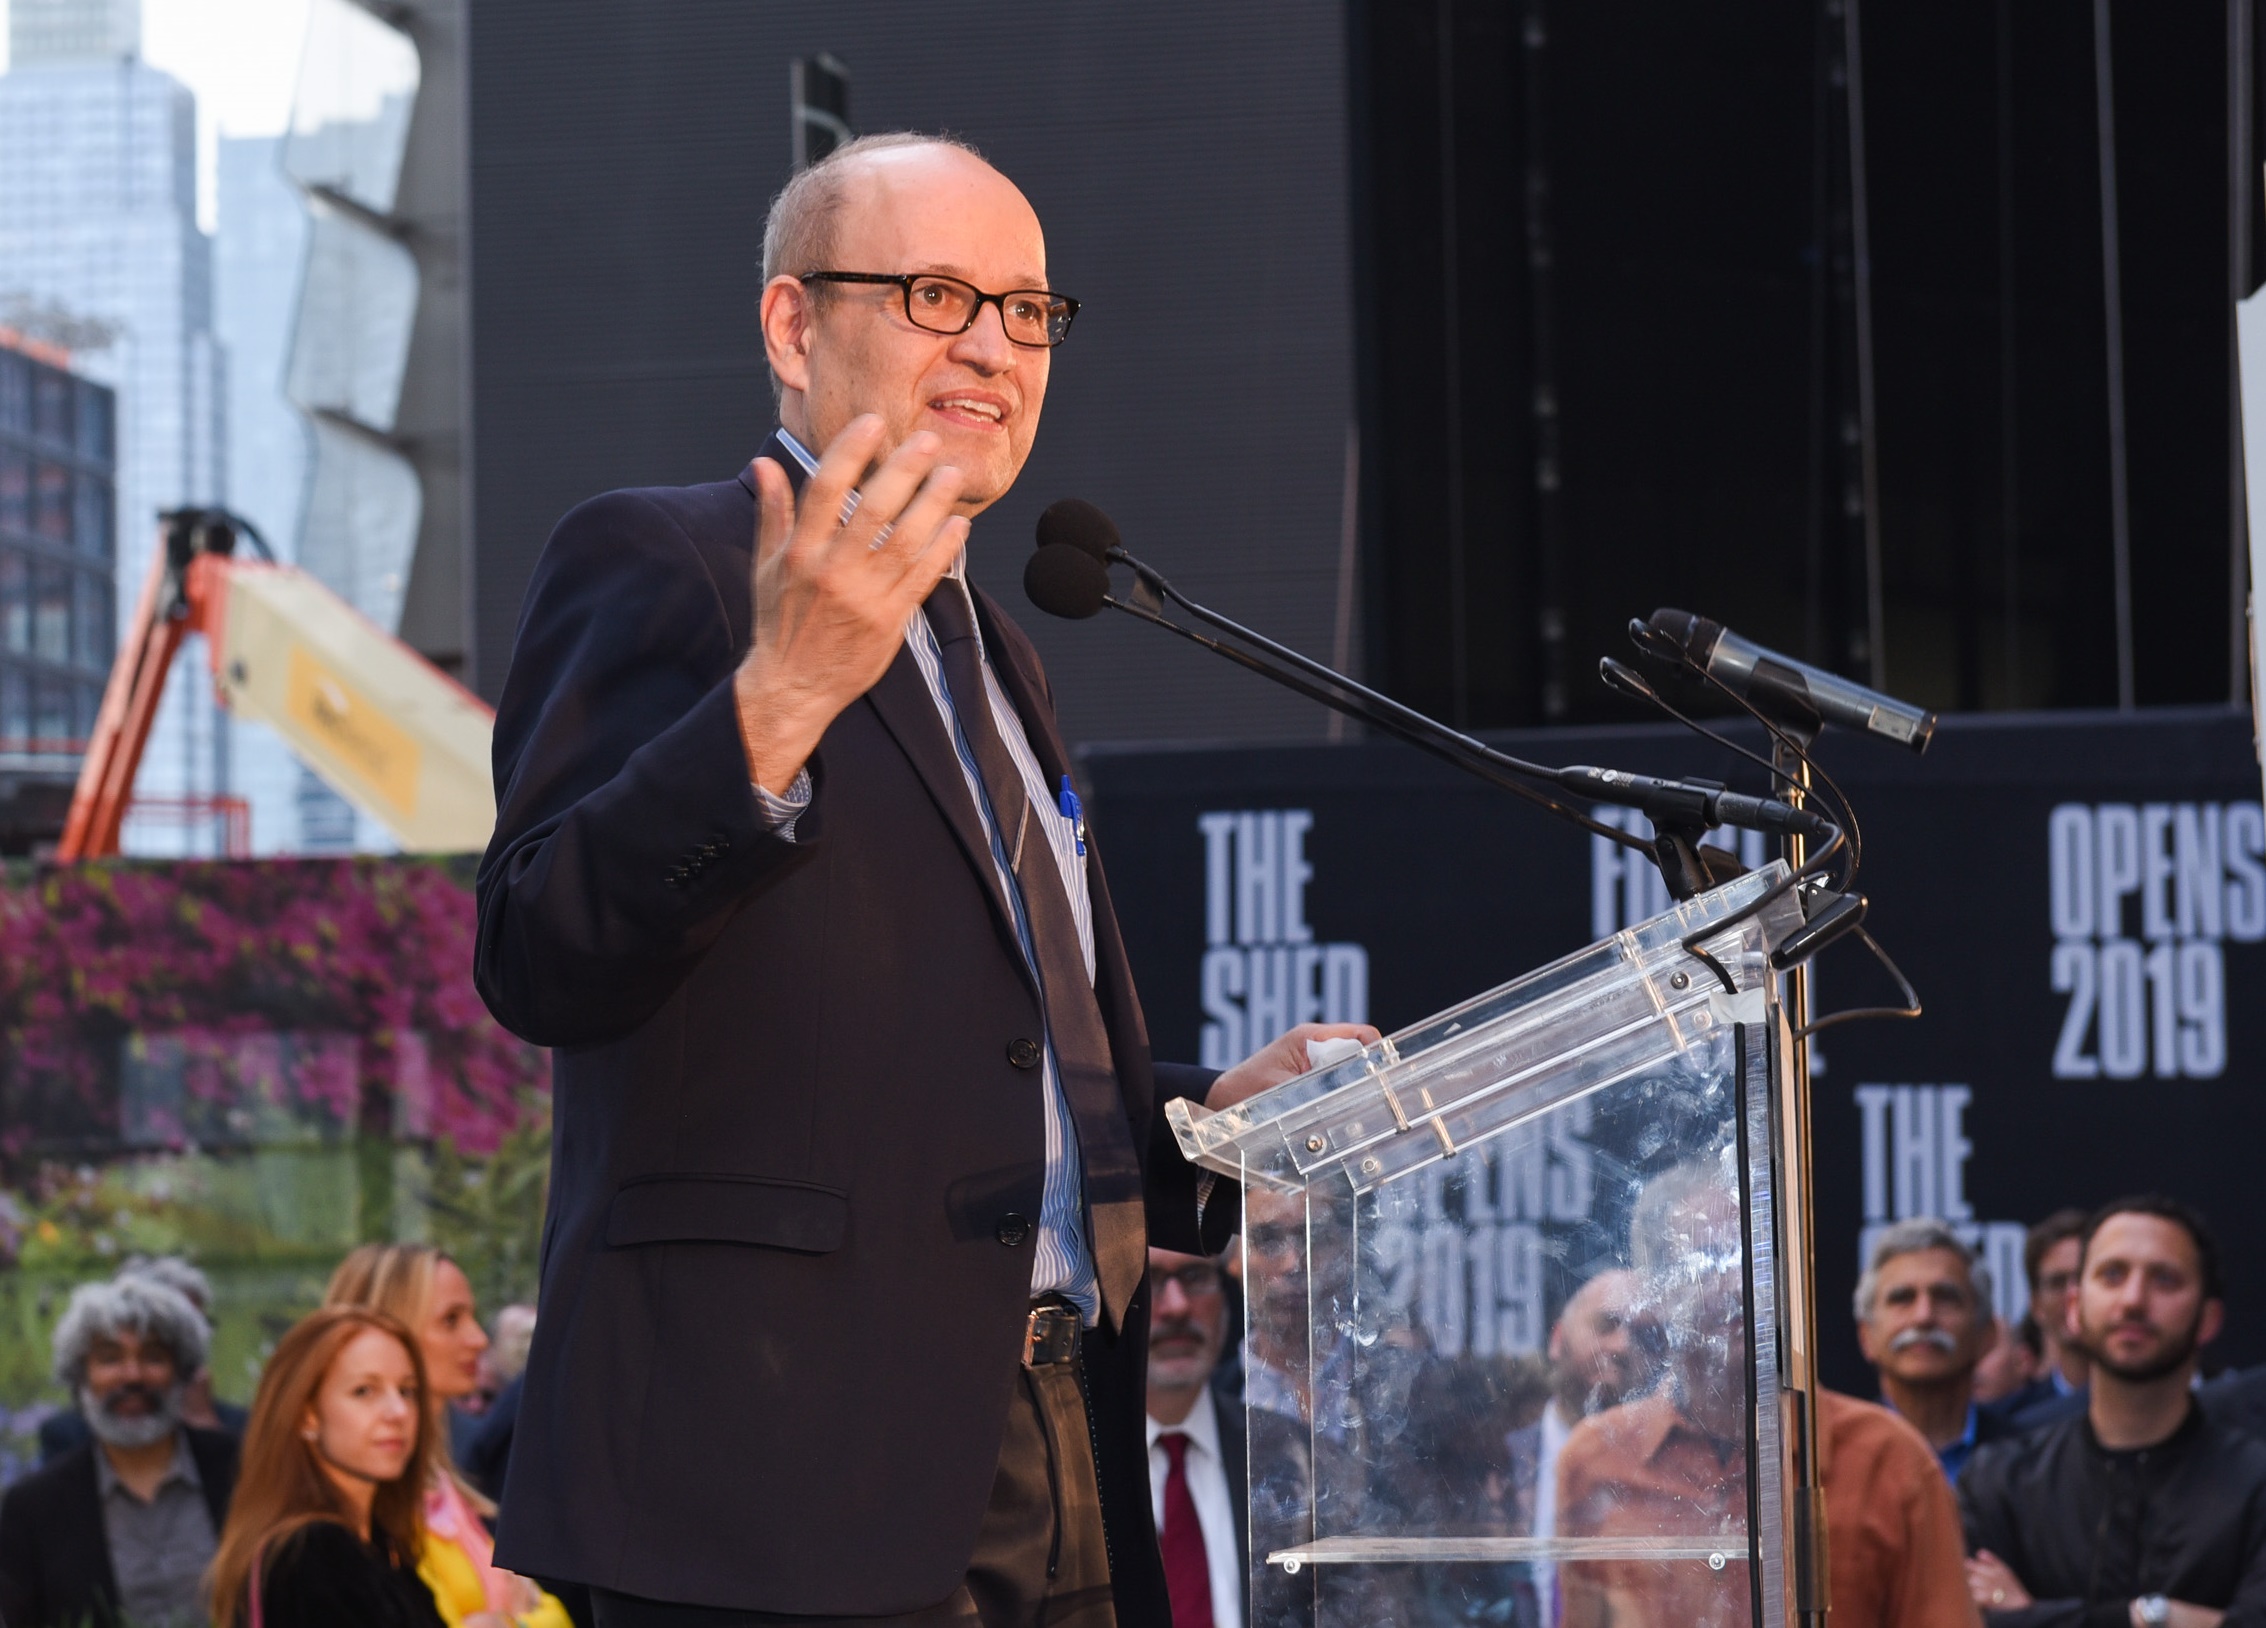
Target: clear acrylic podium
pixel 1588 1147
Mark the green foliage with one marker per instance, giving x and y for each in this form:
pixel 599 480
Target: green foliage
pixel 487 1212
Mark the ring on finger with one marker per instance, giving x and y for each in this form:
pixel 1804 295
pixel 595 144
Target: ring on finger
pixel 882 536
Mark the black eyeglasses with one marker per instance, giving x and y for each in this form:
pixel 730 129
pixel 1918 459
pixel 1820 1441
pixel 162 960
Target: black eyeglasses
pixel 1034 317
pixel 1196 1280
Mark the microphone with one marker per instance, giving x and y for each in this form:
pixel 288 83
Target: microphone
pixel 1790 690
pixel 1705 802
pixel 1068 576
pixel 1065 581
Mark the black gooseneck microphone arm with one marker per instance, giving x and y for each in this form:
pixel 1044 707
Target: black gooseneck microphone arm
pixel 1069 577
pixel 1353 702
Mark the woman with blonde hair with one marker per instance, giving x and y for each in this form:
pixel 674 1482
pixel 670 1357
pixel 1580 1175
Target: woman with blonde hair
pixel 430 1295
pixel 323 1530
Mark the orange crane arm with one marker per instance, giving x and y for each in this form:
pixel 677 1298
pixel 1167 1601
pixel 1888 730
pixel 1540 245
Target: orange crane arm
pixel 379 723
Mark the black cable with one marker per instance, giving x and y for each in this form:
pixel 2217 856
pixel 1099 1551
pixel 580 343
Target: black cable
pixel 1777 890
pixel 1912 996
pixel 1651 640
pixel 1848 814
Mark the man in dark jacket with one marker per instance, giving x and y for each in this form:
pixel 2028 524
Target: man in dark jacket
pixel 120 1530
pixel 2140 1510
pixel 858 1145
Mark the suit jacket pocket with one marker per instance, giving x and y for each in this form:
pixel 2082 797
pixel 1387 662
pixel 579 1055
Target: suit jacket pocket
pixel 728 1210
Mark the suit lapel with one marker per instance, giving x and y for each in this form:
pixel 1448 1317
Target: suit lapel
pixel 908 711
pixel 1113 974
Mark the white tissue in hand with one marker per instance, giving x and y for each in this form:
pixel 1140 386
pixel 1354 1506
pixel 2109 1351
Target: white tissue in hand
pixel 1322 1053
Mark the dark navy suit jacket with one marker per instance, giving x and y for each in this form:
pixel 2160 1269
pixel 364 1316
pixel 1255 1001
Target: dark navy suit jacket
pixel 782 1294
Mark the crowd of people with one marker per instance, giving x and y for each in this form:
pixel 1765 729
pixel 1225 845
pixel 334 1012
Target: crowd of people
pixel 2073 1471
pixel 357 1490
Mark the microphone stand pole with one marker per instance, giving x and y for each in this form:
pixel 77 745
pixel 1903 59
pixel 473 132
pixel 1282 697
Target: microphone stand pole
pixel 1797 1212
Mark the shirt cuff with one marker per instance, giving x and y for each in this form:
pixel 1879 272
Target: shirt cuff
pixel 781 812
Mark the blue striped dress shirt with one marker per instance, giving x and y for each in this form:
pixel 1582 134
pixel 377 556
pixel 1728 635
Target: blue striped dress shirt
pixel 1064 1265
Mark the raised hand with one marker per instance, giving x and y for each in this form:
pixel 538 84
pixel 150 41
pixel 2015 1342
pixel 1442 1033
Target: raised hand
pixel 832 595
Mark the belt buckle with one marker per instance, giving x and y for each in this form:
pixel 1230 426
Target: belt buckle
pixel 1050 1336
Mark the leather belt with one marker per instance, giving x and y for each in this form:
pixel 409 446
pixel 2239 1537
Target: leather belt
pixel 1051 1335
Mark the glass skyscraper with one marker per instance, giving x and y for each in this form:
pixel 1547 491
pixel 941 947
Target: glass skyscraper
pixel 99 241
pixel 56 501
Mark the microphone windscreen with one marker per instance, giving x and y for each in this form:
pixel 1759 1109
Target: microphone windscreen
pixel 1065 581
pixel 1676 624
pixel 1072 522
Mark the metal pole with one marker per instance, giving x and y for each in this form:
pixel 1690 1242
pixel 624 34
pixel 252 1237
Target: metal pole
pixel 2240 182
pixel 1451 341
pixel 2112 302
pixel 1541 261
pixel 1798 1242
pixel 1860 228
pixel 2010 447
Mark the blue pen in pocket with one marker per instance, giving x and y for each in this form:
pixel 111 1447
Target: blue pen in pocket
pixel 1075 812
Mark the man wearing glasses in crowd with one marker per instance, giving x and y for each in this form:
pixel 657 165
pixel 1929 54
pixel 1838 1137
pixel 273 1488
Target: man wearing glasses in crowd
pixel 859 1149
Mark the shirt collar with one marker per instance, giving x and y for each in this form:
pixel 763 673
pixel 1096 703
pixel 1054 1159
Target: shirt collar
pixel 182 1469
pixel 809 460
pixel 1202 1427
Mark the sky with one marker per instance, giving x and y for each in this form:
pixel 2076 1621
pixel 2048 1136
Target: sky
pixel 240 57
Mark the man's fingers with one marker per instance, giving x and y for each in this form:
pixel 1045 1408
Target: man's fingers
pixel 927 568
pixel 839 468
pixel 888 490
pixel 920 525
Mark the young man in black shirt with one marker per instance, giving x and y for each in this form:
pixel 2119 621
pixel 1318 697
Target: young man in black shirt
pixel 2138 1511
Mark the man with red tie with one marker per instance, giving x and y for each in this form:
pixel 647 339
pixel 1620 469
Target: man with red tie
pixel 1196 1447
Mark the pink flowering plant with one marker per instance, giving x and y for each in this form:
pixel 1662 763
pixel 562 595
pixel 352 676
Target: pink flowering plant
pixel 152 1006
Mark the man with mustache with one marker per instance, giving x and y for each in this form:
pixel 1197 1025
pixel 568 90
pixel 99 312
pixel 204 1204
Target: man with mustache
pixel 122 1528
pixel 1924 1320
pixel 2139 1510
pixel 1197 1457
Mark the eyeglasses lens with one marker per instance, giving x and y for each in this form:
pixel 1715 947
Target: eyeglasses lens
pixel 946 305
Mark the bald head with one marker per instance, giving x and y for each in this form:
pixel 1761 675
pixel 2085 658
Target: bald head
pixel 896 206
pixel 798 234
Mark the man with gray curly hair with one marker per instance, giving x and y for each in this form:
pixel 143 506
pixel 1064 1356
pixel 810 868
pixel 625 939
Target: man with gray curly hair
pixel 62 1431
pixel 1925 1322
pixel 123 1527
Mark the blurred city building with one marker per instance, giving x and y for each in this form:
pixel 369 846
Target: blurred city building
pixel 259 253
pixel 374 362
pixel 100 252
pixel 58 496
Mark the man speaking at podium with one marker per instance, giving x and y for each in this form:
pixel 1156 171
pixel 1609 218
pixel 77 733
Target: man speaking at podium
pixel 858 1148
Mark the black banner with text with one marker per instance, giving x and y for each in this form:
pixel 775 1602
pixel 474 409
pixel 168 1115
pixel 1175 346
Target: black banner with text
pixel 2080 899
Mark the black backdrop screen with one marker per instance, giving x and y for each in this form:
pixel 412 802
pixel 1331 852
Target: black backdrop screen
pixel 2080 898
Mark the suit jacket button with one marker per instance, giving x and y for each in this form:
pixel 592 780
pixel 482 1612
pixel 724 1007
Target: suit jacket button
pixel 1023 1052
pixel 1012 1230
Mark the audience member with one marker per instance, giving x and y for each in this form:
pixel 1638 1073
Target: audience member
pixel 2139 1509
pixel 2049 1258
pixel 122 1526
pixel 427 1293
pixel 2011 1365
pixel 1675 1461
pixel 336 1458
pixel 1924 1322
pixel 60 1432
pixel 1197 1457
pixel 1602 1352
pixel 1892 1526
